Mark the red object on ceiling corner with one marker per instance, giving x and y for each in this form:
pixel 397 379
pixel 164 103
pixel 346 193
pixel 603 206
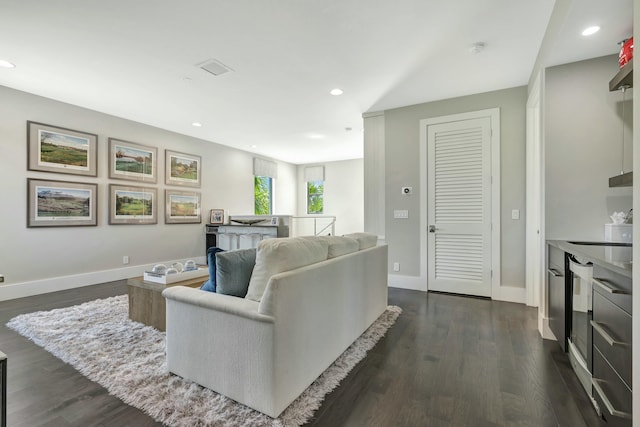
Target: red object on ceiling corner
pixel 626 52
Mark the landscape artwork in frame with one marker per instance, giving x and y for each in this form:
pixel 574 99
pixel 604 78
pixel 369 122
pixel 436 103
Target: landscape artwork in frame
pixel 182 169
pixel 55 149
pixel 61 203
pixel 132 161
pixel 216 216
pixel 132 205
pixel 182 207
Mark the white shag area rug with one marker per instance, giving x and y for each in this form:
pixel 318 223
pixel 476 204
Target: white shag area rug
pixel 128 359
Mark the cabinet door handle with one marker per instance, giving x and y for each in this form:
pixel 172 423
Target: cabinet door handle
pixel 554 272
pixel 607 288
pixel 613 411
pixel 604 334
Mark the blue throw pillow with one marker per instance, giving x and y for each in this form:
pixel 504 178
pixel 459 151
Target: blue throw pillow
pixel 233 271
pixel 210 285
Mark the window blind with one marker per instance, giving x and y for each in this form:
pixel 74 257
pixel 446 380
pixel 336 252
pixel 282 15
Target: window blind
pixel 262 167
pixel 314 173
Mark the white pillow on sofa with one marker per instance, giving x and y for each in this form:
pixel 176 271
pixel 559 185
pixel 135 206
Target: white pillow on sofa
pixel 283 254
pixel 338 245
pixel 365 240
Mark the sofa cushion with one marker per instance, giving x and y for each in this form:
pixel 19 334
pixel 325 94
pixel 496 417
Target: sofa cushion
pixel 338 245
pixel 233 271
pixel 283 254
pixel 210 284
pixel 365 240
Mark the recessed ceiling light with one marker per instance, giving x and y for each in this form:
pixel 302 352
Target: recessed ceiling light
pixel 336 92
pixel 315 136
pixel 254 146
pixel 196 124
pixel 591 30
pixel 6 64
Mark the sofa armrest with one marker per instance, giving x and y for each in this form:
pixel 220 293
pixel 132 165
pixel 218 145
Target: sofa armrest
pixel 218 302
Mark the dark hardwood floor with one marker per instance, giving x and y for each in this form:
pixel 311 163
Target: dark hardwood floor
pixel 448 361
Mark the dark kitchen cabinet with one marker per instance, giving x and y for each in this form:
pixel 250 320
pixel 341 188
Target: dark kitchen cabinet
pixel 612 344
pixel 559 317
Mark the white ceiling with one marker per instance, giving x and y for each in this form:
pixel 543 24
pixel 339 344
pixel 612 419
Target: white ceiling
pixel 138 60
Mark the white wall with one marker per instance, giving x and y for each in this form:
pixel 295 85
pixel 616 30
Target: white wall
pixel 343 195
pixel 37 260
pixel 402 168
pixel 583 148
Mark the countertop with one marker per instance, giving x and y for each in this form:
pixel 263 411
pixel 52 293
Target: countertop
pixel 611 257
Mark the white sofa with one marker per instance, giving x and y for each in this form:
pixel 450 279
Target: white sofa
pixel 265 353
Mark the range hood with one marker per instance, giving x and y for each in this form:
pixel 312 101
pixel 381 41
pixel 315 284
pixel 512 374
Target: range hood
pixel 623 79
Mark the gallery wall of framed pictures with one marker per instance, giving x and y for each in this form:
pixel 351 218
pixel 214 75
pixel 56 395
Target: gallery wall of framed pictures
pixel 63 203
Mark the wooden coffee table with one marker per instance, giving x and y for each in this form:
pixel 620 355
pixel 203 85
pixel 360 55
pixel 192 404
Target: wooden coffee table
pixel 146 303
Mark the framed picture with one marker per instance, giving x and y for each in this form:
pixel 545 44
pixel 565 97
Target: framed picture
pixel 182 169
pixel 61 203
pixel 182 207
pixel 135 162
pixel 216 216
pixel 132 205
pixel 61 150
pixel 274 220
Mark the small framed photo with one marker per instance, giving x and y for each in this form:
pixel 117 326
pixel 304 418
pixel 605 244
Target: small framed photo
pixel 130 204
pixel 132 161
pixel 274 220
pixel 61 150
pixel 216 216
pixel 182 169
pixel 182 207
pixel 61 203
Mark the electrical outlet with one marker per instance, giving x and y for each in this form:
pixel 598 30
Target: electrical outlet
pixel 125 259
pixel 396 266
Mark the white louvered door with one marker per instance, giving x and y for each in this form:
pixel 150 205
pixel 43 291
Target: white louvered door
pixel 459 207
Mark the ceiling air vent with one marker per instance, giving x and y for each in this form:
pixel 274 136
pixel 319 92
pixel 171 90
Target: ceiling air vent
pixel 214 67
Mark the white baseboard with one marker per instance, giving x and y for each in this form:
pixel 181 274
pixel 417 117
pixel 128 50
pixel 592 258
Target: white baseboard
pixel 54 284
pixel 408 282
pixel 417 283
pixel 544 329
pixel 510 294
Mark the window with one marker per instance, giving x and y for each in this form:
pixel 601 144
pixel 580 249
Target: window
pixel 263 193
pixel 315 197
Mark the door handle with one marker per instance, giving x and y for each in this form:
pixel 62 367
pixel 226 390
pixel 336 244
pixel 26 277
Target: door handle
pixel 432 229
pixel 554 272
pixel 607 288
pixel 605 335
pixel 597 386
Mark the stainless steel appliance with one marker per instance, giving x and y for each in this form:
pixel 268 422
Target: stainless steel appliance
pixel 580 336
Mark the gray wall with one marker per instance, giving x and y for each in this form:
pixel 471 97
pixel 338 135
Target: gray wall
pixel 402 164
pixel 43 254
pixel 343 196
pixel 583 148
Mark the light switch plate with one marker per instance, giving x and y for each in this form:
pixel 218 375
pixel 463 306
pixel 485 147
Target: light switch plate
pixel 401 214
pixel 515 214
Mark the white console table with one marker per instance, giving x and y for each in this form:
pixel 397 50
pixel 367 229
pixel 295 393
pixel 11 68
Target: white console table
pixel 244 236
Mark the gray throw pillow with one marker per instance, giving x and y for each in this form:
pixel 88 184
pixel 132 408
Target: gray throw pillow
pixel 233 271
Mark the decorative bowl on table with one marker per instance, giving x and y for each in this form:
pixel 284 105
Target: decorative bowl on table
pixel 159 269
pixel 248 221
